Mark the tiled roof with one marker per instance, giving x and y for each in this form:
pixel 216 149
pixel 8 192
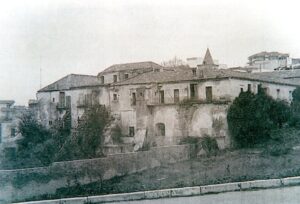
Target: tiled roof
pixel 213 74
pixel 262 54
pixel 131 66
pixel 71 81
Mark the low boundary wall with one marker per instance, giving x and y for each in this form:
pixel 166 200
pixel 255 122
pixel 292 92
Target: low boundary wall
pixel 179 192
pixel 22 184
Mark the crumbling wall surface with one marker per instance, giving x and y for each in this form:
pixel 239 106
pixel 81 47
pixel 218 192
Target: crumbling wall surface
pixel 196 120
pixel 27 183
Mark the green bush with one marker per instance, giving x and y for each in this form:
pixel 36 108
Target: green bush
pixel 251 118
pixel 210 145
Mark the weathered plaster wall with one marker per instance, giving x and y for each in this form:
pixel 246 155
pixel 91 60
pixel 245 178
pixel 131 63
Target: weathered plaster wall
pixel 195 120
pixel 284 93
pixel 26 183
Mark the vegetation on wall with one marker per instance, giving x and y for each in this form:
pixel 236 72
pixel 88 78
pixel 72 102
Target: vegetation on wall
pixel 87 139
pixel 252 118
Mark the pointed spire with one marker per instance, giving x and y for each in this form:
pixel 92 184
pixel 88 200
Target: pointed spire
pixel 208 60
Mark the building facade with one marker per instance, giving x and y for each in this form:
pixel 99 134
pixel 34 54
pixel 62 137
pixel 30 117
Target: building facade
pixel 157 106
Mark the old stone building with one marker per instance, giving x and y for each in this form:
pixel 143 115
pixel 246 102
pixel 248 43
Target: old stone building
pixel 157 105
pixel 9 118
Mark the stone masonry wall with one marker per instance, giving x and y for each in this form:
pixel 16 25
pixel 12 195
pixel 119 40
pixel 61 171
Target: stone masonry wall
pixel 26 183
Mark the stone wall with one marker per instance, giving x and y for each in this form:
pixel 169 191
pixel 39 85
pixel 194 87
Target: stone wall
pixel 26 183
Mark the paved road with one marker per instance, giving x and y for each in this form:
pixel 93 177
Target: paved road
pixel 287 195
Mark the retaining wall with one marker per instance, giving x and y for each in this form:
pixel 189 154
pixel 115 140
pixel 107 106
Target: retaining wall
pixel 27 183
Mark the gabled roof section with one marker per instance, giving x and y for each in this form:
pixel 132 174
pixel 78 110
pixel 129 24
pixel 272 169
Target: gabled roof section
pixel 208 60
pixel 71 81
pixel 131 66
pixel 181 75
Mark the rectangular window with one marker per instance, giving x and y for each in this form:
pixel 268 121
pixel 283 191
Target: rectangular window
pixel 176 95
pixel 62 99
pixel 115 78
pixel 115 97
pixel 131 131
pixel 50 122
pixel 133 99
pixel 194 71
pixel 102 79
pixel 13 132
pixel 277 93
pixel 208 91
pixel 53 100
pixel 249 88
pixel 161 96
pixel 242 90
pixel 290 95
pixel 193 89
pixel 68 101
pixel 126 76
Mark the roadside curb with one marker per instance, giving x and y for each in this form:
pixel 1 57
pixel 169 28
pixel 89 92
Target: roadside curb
pixel 178 192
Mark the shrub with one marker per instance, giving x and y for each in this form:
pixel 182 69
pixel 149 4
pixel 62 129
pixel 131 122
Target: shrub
pixel 251 118
pixel 210 145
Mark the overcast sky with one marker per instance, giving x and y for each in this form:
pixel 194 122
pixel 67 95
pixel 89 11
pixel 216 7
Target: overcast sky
pixel 85 37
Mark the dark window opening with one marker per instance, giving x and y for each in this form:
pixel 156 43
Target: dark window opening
pixel 115 78
pixel 193 89
pixel 68 101
pixel 208 91
pixel 13 132
pixel 161 96
pixel 102 79
pixel 126 76
pixel 242 90
pixel 53 99
pixel 50 122
pixel 133 99
pixel 249 88
pixel 115 97
pixel 194 71
pixel 160 129
pixel 131 131
pixel 62 99
pixel 176 95
pixel 278 93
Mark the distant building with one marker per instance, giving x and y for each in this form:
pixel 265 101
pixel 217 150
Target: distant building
pixel 9 118
pixel 270 61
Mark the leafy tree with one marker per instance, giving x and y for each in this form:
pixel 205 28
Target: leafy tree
pixel 87 139
pixel 36 140
pixel 295 106
pixel 251 118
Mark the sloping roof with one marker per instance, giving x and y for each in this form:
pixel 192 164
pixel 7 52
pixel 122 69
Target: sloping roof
pixel 208 60
pixel 264 53
pixel 131 66
pixel 71 81
pixel 180 75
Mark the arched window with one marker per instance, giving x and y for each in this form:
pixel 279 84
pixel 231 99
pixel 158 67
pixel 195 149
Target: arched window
pixel 160 129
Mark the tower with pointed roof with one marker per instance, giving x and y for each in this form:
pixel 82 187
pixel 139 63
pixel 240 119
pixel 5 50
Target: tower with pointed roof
pixel 208 62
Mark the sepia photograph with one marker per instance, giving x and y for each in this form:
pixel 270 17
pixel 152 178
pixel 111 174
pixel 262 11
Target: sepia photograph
pixel 150 102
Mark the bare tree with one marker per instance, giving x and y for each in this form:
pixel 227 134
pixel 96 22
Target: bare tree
pixel 174 62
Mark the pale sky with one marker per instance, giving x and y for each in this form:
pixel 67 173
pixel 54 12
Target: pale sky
pixel 85 37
